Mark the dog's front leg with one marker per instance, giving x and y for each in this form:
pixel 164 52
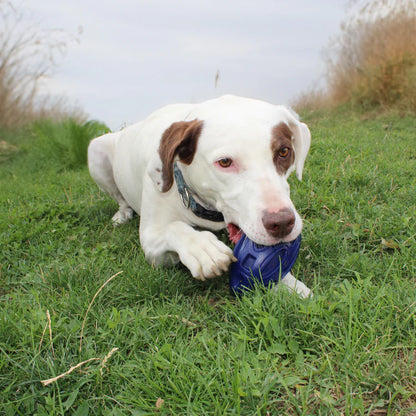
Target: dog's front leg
pixel 200 251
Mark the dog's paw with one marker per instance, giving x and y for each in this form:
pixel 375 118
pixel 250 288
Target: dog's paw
pixel 206 256
pixel 122 216
pixel 295 285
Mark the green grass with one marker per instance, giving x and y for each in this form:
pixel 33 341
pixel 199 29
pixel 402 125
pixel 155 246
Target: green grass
pixel 190 348
pixel 67 142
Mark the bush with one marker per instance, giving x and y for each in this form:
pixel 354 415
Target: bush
pixel 372 63
pixel 28 55
pixel 67 141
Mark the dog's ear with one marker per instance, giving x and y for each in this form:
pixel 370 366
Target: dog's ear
pixel 301 143
pixel 180 141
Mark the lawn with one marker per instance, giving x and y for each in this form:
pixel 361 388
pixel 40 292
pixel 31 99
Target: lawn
pixel 76 292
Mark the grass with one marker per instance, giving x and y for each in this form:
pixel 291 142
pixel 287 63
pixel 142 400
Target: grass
pixel 67 141
pixel 190 348
pixel 371 63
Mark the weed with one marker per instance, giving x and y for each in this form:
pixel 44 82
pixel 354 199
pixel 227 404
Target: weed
pixel 67 141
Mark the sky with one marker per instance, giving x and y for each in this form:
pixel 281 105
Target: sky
pixel 132 57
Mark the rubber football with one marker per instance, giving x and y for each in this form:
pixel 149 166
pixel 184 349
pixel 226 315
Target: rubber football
pixel 257 263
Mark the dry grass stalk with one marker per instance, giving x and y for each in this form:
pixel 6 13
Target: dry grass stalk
pixel 50 331
pixel 71 369
pixel 89 306
pixel 43 335
pixel 51 380
pixel 106 358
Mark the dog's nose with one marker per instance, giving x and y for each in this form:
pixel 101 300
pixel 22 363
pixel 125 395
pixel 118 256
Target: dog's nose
pixel 279 224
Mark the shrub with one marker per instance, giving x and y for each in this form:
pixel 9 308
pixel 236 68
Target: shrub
pixel 67 141
pixel 28 54
pixel 372 63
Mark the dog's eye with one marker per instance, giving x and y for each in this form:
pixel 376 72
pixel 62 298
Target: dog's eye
pixel 284 152
pixel 225 162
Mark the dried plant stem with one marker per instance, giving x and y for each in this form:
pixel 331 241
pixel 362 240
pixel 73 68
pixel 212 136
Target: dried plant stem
pixel 50 331
pixel 106 358
pixel 89 306
pixel 51 380
pixel 103 363
pixel 43 334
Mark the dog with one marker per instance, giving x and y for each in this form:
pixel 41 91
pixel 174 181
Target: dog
pixel 190 169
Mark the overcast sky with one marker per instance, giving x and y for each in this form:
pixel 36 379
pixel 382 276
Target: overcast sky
pixel 134 56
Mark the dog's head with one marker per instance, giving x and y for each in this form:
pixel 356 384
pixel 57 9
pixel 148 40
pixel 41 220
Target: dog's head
pixel 236 155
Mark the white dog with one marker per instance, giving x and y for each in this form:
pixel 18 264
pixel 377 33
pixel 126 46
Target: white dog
pixel 223 162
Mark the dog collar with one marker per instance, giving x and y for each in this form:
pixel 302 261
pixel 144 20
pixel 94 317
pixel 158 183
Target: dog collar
pixel 189 201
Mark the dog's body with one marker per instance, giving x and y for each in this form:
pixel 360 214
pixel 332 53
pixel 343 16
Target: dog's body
pixel 231 157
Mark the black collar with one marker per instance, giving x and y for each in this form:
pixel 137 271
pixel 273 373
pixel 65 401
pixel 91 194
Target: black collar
pixel 189 201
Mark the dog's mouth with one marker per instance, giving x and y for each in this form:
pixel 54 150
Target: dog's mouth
pixel 234 232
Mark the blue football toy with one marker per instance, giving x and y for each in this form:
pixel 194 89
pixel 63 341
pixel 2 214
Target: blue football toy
pixel 261 263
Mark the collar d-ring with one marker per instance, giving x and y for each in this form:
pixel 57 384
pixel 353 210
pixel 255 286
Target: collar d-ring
pixel 185 197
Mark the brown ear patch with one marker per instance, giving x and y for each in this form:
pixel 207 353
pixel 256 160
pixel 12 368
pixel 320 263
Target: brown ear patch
pixel 282 147
pixel 180 139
